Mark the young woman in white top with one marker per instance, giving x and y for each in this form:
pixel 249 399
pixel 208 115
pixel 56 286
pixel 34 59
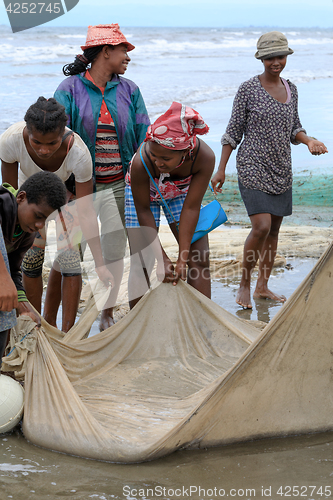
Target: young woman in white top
pixel 42 142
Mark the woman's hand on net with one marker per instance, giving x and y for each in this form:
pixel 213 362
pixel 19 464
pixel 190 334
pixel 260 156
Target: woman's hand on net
pixel 169 272
pixel 180 270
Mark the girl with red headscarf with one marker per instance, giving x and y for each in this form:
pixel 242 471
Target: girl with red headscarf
pixel 181 166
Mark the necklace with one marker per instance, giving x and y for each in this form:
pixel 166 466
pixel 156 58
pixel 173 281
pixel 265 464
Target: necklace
pixel 17 231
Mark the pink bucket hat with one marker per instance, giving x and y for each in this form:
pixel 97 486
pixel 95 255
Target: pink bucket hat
pixel 105 34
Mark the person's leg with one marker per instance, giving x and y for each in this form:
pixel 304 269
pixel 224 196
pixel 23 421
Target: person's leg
pixel 32 267
pixel 66 289
pixel 143 244
pixel 117 269
pixel 70 293
pixel 142 262
pixel 53 297
pixel 266 262
pixel 110 206
pixel 66 274
pixel 261 226
pixel 34 291
pixel 198 274
pixel 68 263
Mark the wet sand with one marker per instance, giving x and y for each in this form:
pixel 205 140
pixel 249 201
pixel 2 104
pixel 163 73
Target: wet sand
pixel 227 242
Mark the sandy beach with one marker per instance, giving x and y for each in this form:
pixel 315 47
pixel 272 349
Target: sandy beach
pixel 227 242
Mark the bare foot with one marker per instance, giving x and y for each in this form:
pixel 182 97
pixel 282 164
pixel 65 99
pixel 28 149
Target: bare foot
pixel 244 297
pixel 106 321
pixel 265 293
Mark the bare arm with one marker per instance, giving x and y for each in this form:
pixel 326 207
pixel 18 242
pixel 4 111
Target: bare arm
pixel 8 292
pixel 190 213
pixel 26 309
pixel 315 147
pixel 15 260
pixel 89 225
pixel 219 178
pixel 140 185
pixel 9 173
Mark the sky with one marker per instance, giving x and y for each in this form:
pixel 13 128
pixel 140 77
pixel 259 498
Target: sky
pixel 195 13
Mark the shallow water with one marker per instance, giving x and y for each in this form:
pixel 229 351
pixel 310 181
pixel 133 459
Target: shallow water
pixel 257 469
pixel 283 281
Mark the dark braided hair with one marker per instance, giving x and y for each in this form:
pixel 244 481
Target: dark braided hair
pixel 81 61
pixel 46 115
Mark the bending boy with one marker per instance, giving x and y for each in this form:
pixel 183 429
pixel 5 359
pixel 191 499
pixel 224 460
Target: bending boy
pixel 22 213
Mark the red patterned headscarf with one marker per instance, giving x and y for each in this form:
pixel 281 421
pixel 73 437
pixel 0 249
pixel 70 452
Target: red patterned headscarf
pixel 177 128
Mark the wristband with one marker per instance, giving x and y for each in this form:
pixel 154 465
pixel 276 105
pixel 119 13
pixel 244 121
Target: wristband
pixel 21 296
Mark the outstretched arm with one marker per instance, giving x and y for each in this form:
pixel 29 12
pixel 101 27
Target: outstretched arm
pixel 15 260
pixel 191 209
pixel 140 186
pixel 315 147
pixel 89 225
pixel 219 177
pixel 8 292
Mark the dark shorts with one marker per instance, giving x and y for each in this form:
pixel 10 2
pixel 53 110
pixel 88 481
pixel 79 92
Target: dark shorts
pixel 258 202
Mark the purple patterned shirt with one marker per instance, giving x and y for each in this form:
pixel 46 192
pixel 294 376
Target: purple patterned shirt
pixel 268 126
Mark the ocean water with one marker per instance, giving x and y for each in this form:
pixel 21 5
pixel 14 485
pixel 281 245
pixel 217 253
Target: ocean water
pixel 200 67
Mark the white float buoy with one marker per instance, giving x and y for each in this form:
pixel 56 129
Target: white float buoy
pixel 11 403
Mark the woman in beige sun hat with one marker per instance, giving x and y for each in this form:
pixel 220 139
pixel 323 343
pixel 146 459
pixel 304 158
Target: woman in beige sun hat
pixel 265 112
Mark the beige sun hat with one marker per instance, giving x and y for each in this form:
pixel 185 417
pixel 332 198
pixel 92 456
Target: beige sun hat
pixel 271 44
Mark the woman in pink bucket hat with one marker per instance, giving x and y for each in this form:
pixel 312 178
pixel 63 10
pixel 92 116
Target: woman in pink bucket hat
pixel 109 113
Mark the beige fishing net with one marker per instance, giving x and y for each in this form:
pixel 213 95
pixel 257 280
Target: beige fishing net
pixel 179 371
